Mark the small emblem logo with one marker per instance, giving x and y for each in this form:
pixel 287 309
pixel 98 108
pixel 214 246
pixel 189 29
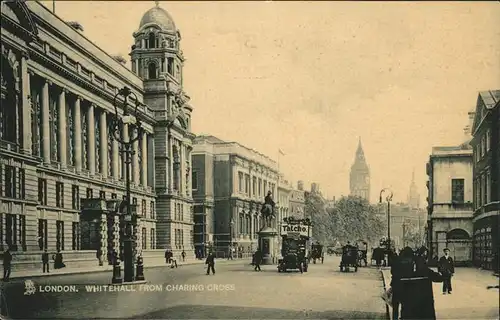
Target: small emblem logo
pixel 29 288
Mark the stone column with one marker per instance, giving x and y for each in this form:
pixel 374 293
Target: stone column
pixel 77 122
pixel 45 122
pixel 135 162
pixel 171 165
pixel 91 138
pixel 63 130
pixel 144 152
pixel 27 128
pixel 103 155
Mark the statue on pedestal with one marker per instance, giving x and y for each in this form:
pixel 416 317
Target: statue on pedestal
pixel 267 210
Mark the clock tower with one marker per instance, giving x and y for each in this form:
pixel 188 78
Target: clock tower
pixel 360 175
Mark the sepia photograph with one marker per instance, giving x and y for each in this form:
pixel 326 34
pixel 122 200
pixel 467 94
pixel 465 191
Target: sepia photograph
pixel 250 159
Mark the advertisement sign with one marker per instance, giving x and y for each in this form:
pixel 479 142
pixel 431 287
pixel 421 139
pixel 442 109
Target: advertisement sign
pixel 300 229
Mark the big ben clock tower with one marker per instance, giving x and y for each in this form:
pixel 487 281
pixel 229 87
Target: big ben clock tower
pixel 360 175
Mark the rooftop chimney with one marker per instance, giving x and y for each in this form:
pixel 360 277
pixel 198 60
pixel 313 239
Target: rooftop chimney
pixel 300 185
pixel 75 25
pixel 120 59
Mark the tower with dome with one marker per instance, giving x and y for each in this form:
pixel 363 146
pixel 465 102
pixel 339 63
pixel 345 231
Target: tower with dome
pixel 157 58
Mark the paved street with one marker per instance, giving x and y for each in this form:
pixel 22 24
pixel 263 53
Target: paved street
pixel 323 292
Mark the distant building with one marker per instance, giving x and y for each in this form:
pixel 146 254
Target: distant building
pixel 406 223
pixel 232 181
pixel 486 175
pixel 360 175
pixel 297 202
pixel 413 195
pixel 450 208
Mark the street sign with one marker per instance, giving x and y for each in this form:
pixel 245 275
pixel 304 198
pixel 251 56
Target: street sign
pixel 300 229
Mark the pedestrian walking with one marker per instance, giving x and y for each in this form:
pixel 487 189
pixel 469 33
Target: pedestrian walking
pixel 210 262
pixel 45 261
pixel 257 260
pixel 58 260
pixel 7 264
pixel 446 268
pixel 183 255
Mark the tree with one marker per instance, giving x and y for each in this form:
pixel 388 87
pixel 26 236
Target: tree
pixel 353 218
pixel 316 211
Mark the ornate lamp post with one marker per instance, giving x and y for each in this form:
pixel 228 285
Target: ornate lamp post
pixel 388 199
pixel 130 121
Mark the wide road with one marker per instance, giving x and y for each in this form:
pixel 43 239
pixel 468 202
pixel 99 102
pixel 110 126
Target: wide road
pixel 234 292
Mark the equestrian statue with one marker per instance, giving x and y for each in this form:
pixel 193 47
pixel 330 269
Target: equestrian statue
pixel 267 210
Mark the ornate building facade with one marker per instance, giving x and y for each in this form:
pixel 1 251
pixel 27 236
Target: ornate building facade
pixel 56 152
pixel 359 182
pixel 158 60
pixel 237 179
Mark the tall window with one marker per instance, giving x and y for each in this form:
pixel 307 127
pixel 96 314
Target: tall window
pixel 488 140
pixel 75 197
pixel 152 208
pixel 36 120
pixel 42 234
pixel 247 184
pixel 85 147
pixel 14 182
pixel 144 208
pixel 140 160
pixel 144 238
pixel 97 138
pixel 152 236
pixel 177 165
pixel 22 232
pixel 11 231
pixel 110 148
pixel 260 187
pixel 60 235
pixel 457 190
pixel 54 128
pixel 254 186
pixel 59 195
pixel 152 71
pixel 152 40
pixel 71 133
pixel 194 178
pixel 75 236
pixel 42 191
pixel 170 66
pixel 240 182
pixel 486 195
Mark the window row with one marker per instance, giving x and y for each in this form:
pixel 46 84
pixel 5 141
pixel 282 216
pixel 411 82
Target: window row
pixel 179 238
pixel 254 187
pixel 152 239
pixel 482 189
pixel 12 182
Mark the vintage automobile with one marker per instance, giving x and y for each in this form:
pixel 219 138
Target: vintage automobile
pixel 349 258
pixel 317 253
pixel 295 235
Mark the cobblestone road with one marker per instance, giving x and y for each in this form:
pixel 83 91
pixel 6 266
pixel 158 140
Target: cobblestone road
pixel 234 292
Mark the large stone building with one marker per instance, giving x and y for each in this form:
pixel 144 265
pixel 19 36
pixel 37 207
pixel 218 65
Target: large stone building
pixel 359 183
pixel 158 60
pixel 56 149
pixel 486 175
pixel 232 181
pixel 450 208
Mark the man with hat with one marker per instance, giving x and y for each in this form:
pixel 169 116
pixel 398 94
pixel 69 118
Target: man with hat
pixel 446 268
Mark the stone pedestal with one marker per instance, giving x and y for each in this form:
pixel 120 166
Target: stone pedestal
pixel 267 242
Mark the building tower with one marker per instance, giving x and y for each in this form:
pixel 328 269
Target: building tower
pixel 157 59
pixel 413 195
pixel 360 175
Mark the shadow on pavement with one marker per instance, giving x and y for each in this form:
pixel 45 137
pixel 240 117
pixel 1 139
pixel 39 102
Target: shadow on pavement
pixel 230 312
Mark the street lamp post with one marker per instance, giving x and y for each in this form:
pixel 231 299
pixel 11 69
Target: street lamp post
pixel 388 199
pixel 231 224
pixel 130 121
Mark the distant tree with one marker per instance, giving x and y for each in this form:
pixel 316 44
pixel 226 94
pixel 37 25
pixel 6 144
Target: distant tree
pixel 353 218
pixel 315 209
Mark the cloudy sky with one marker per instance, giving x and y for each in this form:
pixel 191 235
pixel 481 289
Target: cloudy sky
pixel 311 77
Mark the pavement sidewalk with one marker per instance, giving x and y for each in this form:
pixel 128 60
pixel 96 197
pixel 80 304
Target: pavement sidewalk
pixel 154 263
pixel 471 298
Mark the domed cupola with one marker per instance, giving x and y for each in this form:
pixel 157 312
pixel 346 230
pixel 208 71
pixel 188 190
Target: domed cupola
pixel 158 17
pixel 156 53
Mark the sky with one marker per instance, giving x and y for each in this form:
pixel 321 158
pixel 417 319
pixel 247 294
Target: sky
pixel 311 78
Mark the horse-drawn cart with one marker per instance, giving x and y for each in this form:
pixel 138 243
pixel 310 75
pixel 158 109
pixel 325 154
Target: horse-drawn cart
pixel 349 258
pixel 317 253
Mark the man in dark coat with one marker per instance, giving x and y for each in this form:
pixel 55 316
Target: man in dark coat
pixel 418 300
pixel 447 269
pixel 45 261
pixel 7 264
pixel 402 267
pixel 257 260
pixel 210 262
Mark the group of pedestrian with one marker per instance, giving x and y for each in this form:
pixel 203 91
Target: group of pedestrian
pixel 57 258
pixel 412 280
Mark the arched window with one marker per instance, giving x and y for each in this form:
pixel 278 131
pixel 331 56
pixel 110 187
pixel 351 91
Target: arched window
pixel 152 71
pixel 152 40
